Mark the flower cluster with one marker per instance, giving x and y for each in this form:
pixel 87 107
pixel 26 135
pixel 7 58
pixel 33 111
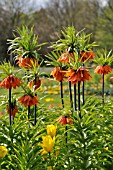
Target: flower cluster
pixel 74 56
pixel 103 59
pixel 24 48
pixel 79 75
pixel 48 141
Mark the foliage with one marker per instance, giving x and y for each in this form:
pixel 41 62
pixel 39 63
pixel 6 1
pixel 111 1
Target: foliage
pixel 103 57
pixel 89 140
pixel 26 44
pixel 73 41
pixel 33 134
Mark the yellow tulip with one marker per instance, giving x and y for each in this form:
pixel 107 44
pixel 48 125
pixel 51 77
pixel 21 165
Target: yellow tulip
pixel 47 143
pixel 51 130
pixel 3 151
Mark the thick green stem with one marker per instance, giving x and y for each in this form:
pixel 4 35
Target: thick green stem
pixel 61 93
pixel 83 90
pixel 35 107
pixel 75 98
pixel 79 99
pixel 103 89
pixel 50 161
pixel 28 112
pixel 66 134
pixel 9 108
pixel 83 93
pixel 70 94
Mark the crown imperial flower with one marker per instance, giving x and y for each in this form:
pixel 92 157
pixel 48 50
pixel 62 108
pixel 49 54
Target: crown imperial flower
pixel 88 55
pixel 81 74
pixel 103 69
pixel 27 62
pixel 10 81
pixel 58 74
pixel 28 100
pixel 65 120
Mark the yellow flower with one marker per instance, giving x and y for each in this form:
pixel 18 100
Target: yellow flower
pixel 51 130
pixel 55 92
pixel 49 99
pixel 47 143
pixel 106 148
pixel 3 151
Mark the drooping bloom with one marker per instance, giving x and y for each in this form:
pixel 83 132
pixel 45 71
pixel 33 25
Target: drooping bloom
pixel 3 151
pixel 10 82
pixel 103 69
pixel 27 62
pixel 36 83
pixel 14 109
pixel 81 74
pixel 51 130
pixel 47 144
pixel 28 100
pixel 65 120
pixel 88 55
pixel 58 74
pixel 66 57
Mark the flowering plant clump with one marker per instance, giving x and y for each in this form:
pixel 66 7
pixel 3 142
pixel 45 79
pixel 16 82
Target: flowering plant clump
pixel 10 80
pixel 77 51
pixel 48 141
pixel 25 47
pixel 75 130
pixel 103 59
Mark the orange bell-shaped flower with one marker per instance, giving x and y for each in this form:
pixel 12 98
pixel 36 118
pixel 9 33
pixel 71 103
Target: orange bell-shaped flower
pixel 28 100
pixel 58 74
pixel 103 69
